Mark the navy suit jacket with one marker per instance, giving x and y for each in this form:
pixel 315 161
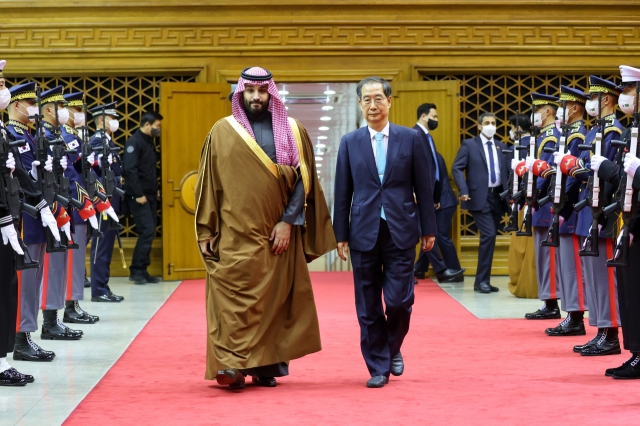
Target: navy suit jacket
pixel 447 196
pixel 472 160
pixel 359 194
pixel 432 163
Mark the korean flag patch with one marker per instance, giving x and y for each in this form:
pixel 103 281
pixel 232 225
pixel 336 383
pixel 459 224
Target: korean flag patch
pixel 23 149
pixel 73 145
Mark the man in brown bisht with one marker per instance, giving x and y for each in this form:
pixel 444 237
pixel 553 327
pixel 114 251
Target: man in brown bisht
pixel 261 216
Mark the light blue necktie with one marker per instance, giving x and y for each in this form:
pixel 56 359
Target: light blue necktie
pixel 381 163
pixel 435 157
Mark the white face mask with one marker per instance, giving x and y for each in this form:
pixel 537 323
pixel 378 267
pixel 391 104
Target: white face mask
pixel 32 111
pixel 512 135
pixel 113 125
pixel 63 116
pixel 592 107
pixel 489 130
pixel 78 118
pixel 537 119
pixel 625 102
pixel 560 114
pixel 5 98
pixel 558 124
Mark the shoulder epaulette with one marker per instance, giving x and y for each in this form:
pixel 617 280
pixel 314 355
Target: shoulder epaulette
pixel 612 129
pixel 544 142
pixel 574 136
pixel 69 129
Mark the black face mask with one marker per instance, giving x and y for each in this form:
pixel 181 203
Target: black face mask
pixel 432 124
pixel 155 132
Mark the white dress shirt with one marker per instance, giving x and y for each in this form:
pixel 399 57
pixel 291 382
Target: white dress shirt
pixel 385 140
pixel 496 164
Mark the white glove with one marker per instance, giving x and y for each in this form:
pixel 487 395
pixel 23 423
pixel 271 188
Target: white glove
pixel 596 161
pixel 631 163
pixel 514 164
pixel 109 158
pixel 48 220
pixel 63 162
pixel 112 214
pixel 67 230
pixel 94 222
pixel 530 161
pixel 9 235
pixel 34 169
pixel 11 162
pixel 558 156
pixel 91 158
pixel 48 165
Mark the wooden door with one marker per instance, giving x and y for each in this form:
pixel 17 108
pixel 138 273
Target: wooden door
pixel 189 111
pixel 408 96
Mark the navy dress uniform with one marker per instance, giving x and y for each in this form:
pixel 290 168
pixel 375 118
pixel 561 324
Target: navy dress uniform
pixel 50 277
pixel 547 270
pixel 101 256
pixel 77 258
pixel 574 299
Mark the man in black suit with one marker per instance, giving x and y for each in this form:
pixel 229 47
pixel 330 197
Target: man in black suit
pixel 446 266
pixel 486 169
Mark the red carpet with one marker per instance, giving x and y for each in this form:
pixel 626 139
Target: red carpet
pixel 459 371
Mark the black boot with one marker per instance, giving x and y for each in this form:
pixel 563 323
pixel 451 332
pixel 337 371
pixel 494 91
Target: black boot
pixel 54 329
pixel 608 344
pixel 631 372
pixel 550 310
pixel 592 342
pixel 610 371
pixel 572 325
pixel 73 313
pixel 26 349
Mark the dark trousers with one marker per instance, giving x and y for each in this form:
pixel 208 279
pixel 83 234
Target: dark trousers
pixel 8 299
pixel 488 222
pixel 629 300
pixel 446 257
pixel 146 219
pixel 387 268
pixel 101 268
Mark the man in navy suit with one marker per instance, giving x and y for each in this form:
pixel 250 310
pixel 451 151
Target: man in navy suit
pixel 487 170
pixel 447 267
pixel 380 176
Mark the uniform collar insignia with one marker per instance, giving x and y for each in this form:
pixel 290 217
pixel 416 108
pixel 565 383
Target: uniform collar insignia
pixel 18 124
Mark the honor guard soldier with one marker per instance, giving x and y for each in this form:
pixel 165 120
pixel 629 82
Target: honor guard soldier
pixel 23 110
pixel 73 313
pixel 106 122
pixel 627 276
pixel 574 300
pixel 544 108
pixel 12 248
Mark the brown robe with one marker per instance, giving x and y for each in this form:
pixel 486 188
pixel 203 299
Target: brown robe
pixel 523 280
pixel 260 307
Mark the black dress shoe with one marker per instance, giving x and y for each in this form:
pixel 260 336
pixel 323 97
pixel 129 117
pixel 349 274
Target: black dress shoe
pixel 377 381
pixel 268 382
pixel 610 371
pixel 54 329
pixel 76 315
pixel 138 279
pixel 8 378
pixel 397 365
pixel 419 275
pixel 27 377
pixel 450 276
pixel 25 349
pixel 150 279
pixel 104 298
pixel 592 342
pixel 632 371
pixel 115 297
pixel 232 377
pixel 544 313
pixel 567 327
pixel 482 287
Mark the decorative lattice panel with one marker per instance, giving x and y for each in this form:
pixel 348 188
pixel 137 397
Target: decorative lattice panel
pixel 134 95
pixel 504 95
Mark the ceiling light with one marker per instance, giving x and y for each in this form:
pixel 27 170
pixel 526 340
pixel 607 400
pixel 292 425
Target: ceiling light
pixel 318 164
pixel 319 158
pixel 320 145
pixel 327 108
pixel 323 128
pixel 322 137
pixel 283 92
pixel 286 107
pixel 329 92
pixel 325 118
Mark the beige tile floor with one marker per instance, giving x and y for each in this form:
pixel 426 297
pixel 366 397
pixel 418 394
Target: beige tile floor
pixel 62 384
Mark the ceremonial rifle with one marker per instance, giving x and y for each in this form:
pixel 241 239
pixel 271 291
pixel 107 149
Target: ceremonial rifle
pixel 530 184
pixel 514 193
pixel 596 197
pixel 47 179
pixel 88 176
pixel 11 197
pixel 559 195
pixel 626 200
